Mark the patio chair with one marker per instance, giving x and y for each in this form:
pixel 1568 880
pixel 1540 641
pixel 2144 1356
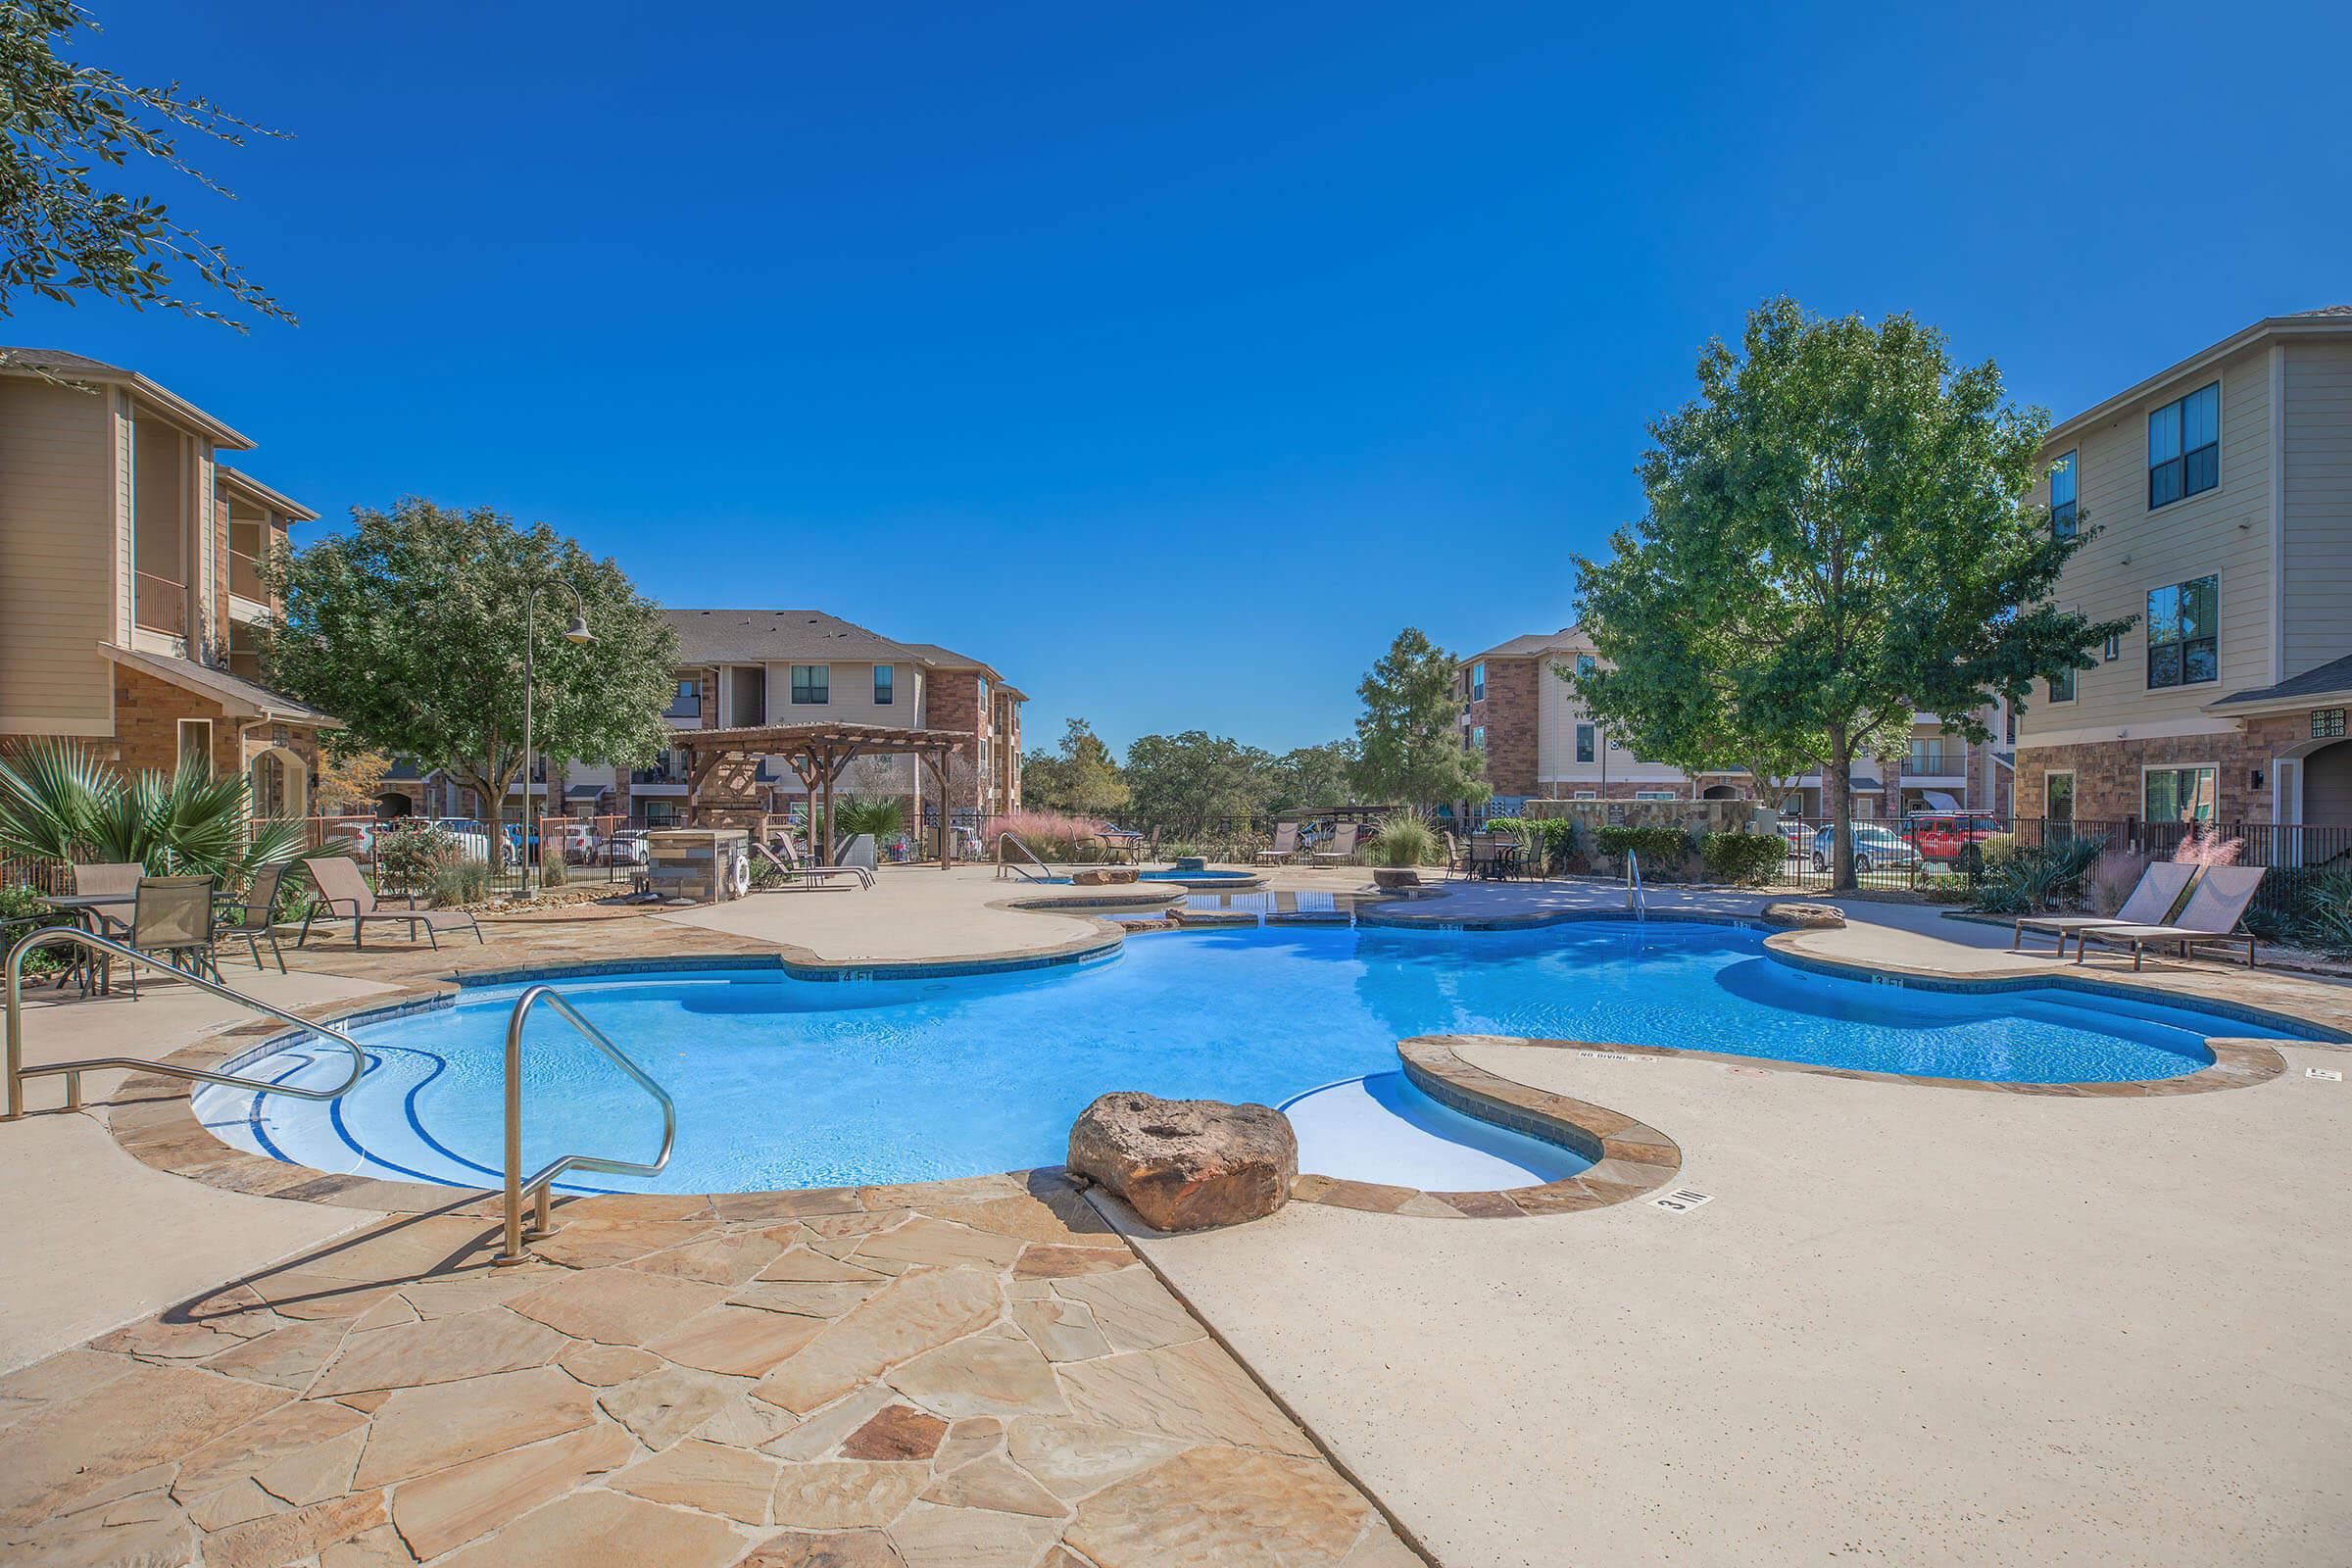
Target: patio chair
pixel 2161 888
pixel 254 916
pixel 2211 913
pixel 344 894
pixel 172 918
pixel 1342 845
pixel 1456 864
pixel 788 865
pixel 1286 845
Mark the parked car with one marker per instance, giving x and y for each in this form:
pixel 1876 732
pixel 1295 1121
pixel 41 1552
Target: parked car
pixel 1951 838
pixel 1876 848
pixel 575 841
pixel 627 847
pixel 473 838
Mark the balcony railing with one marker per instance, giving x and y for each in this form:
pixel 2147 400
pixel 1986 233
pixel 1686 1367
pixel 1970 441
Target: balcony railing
pixel 245 578
pixel 161 605
pixel 1942 760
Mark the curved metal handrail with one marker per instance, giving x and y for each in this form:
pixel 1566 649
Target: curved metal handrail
pixel 1634 899
pixel 1043 873
pixel 62 936
pixel 545 1177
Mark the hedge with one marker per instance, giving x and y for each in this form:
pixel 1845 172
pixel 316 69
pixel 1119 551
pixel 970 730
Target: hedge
pixel 1747 858
pixel 1664 845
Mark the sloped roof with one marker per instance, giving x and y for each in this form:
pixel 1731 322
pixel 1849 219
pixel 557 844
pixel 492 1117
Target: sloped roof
pixel 2324 320
pixel 63 366
pixel 2322 680
pixel 753 636
pixel 234 692
pixel 278 500
pixel 1527 647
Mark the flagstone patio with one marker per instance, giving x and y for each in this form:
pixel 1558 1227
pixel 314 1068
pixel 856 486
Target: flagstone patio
pixel 957 1376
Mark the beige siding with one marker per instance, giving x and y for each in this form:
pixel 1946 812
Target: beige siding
pixel 2224 532
pixel 56 526
pixel 1558 713
pixel 851 690
pixel 2317 585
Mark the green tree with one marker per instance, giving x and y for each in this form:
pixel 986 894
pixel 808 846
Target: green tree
pixel 1310 776
pixel 1836 534
pixel 1409 739
pixel 1186 781
pixel 62 233
pixel 409 628
pixel 1080 777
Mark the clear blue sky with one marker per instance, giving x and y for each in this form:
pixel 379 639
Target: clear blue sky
pixel 1172 358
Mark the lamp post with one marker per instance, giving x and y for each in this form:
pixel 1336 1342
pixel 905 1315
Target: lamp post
pixel 576 632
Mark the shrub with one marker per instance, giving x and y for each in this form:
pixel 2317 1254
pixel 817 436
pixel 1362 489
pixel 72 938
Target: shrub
pixel 2118 872
pixel 410 854
pixel 1402 840
pixel 25 904
pixel 459 882
pixel 2022 879
pixel 2323 922
pixel 1548 841
pixel 882 815
pixel 1663 846
pixel 1052 835
pixel 1747 858
pixel 552 872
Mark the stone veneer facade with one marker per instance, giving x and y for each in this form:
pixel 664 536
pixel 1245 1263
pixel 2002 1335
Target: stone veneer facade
pixel 147 716
pixel 2107 773
pixel 1508 715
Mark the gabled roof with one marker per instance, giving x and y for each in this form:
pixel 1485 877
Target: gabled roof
pixel 57 365
pixel 2331 679
pixel 2326 321
pixel 755 636
pixel 238 697
pixel 1529 646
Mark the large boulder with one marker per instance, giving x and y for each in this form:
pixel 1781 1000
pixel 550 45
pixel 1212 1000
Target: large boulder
pixel 1103 876
pixel 1186 1164
pixel 1793 916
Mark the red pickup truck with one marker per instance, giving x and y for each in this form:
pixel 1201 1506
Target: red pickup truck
pixel 1950 837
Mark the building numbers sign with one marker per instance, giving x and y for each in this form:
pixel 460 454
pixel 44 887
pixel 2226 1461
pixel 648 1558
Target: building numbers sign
pixel 2327 723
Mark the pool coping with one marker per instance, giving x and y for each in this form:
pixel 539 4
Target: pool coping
pixel 152 1117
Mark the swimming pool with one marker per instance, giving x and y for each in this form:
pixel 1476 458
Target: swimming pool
pixel 785 1082
pixel 1189 879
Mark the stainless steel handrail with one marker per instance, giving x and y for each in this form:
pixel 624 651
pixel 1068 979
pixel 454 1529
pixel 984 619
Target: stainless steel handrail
pixel 545 1177
pixel 1040 874
pixel 1634 899
pixel 60 936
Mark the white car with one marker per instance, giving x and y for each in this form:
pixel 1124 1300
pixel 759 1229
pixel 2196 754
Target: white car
pixel 473 838
pixel 627 848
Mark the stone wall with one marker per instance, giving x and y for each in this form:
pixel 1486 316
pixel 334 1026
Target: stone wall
pixel 2107 773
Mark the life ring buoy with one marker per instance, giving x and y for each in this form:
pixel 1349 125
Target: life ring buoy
pixel 739 876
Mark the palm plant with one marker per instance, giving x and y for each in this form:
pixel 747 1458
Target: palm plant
pixel 882 815
pixel 59 801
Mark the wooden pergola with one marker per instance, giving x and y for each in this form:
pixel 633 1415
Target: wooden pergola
pixel 819 754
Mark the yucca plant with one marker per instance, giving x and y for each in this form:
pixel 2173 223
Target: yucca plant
pixel 59 801
pixel 882 815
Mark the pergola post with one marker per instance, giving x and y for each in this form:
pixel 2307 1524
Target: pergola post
pixel 937 767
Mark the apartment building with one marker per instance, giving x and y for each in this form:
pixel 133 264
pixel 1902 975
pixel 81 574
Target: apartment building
pixel 2220 489
pixel 1541 743
pixel 131 583
pixel 746 668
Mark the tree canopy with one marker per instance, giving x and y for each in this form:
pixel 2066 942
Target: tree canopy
pixel 1836 534
pixel 1080 777
pixel 63 232
pixel 1310 776
pixel 409 628
pixel 1409 738
pixel 1188 780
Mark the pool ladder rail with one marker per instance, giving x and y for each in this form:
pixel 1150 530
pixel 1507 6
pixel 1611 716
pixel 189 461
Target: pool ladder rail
pixel 539 1182
pixel 1040 873
pixel 1634 899
pixel 71 1071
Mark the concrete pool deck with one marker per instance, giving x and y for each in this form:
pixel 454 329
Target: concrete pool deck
pixel 1910 1322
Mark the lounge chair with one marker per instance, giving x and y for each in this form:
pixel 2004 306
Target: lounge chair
pixel 1286 845
pixel 2212 914
pixel 173 920
pixel 254 917
pixel 1342 845
pixel 788 865
pixel 344 894
pixel 2162 886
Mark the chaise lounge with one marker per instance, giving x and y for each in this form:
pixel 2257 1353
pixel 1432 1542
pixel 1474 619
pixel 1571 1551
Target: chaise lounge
pixel 2161 888
pixel 2212 914
pixel 788 865
pixel 344 894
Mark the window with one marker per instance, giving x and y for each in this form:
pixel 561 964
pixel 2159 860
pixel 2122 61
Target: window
pixel 885 685
pixel 1584 663
pixel 812 683
pixel 1653 795
pixel 2058 796
pixel 1478 681
pixel 2184 447
pixel 1587 795
pixel 2062 510
pixel 2114 650
pixel 1478 737
pixel 686 702
pixel 2177 793
pixel 1584 743
pixel 196 744
pixel 2062 686
pixel 2183 649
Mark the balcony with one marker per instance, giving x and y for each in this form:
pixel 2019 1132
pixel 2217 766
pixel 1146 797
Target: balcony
pixel 1935 759
pixel 245 577
pixel 161 605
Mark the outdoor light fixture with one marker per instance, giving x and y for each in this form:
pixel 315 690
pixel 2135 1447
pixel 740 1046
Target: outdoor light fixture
pixel 578 631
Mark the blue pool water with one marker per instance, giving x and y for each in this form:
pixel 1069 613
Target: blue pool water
pixel 1202 878
pixel 782 1082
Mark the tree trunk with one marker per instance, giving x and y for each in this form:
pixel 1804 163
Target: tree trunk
pixel 1837 803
